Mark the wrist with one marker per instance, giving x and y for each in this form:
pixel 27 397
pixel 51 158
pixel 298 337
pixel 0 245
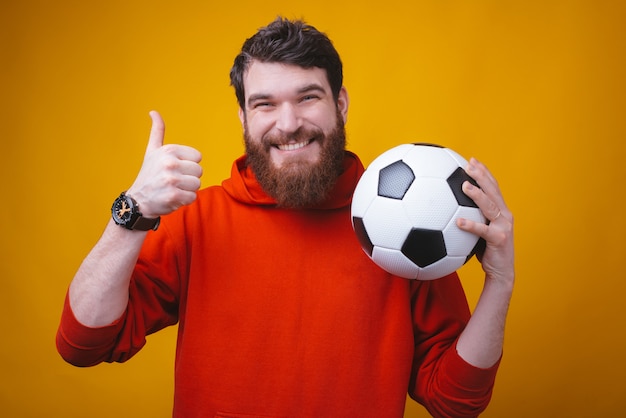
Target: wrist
pixel 500 285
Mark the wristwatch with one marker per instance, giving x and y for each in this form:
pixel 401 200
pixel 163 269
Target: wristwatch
pixel 125 212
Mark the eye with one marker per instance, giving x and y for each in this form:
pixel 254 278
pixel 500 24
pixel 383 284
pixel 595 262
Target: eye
pixel 261 105
pixel 309 97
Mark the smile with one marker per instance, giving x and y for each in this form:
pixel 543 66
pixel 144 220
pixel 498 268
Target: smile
pixel 293 147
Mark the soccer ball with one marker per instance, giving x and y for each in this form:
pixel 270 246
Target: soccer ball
pixel 405 207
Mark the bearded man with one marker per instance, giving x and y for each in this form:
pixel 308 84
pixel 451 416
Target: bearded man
pixel 279 311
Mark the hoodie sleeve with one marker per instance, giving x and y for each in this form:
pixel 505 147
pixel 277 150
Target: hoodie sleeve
pixel 152 305
pixel 441 380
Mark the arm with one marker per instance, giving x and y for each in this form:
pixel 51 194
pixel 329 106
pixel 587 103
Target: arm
pixel 457 355
pixel 443 382
pixel 98 294
pixel 480 343
pixel 168 179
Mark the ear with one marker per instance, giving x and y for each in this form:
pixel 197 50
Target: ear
pixel 342 104
pixel 242 117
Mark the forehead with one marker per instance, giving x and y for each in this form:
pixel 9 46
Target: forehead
pixel 272 78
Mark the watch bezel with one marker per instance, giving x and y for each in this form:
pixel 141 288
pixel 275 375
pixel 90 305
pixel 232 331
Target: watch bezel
pixel 131 218
pixel 126 218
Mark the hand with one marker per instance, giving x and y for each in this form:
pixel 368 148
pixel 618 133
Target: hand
pixel 498 258
pixel 170 174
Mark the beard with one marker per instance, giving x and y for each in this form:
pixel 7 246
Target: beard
pixel 297 183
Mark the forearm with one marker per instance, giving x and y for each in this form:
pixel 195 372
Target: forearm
pixel 481 342
pixel 98 293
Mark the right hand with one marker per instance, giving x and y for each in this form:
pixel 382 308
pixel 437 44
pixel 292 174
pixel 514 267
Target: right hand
pixel 170 174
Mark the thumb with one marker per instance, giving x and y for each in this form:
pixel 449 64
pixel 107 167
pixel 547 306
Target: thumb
pixel 157 132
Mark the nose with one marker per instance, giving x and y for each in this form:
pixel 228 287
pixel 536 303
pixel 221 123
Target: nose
pixel 287 119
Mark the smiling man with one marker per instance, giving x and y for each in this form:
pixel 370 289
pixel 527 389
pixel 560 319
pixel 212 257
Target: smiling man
pixel 294 131
pixel 280 312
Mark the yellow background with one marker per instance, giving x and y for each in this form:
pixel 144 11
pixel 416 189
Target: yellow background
pixel 535 89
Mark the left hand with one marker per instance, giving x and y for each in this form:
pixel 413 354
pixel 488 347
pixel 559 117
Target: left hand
pixel 498 258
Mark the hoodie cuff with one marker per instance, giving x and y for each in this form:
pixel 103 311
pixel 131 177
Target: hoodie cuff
pixel 464 377
pixel 83 337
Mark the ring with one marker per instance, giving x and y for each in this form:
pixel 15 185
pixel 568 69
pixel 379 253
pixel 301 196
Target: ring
pixel 498 215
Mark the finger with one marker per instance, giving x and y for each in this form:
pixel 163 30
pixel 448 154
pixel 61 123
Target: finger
pixel 487 183
pixel 157 131
pixel 478 167
pixel 477 228
pixel 190 168
pixel 185 152
pixel 189 184
pixel 479 172
pixel 183 197
pixel 487 206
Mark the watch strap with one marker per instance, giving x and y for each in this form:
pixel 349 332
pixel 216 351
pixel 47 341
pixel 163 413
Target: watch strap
pixel 144 224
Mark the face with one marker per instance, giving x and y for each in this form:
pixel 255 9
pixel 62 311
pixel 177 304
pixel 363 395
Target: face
pixel 294 131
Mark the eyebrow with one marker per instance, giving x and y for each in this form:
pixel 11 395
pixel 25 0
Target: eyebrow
pixel 304 89
pixel 311 87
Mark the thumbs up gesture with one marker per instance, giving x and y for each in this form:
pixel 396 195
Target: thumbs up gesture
pixel 170 174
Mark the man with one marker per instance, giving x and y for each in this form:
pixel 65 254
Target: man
pixel 280 312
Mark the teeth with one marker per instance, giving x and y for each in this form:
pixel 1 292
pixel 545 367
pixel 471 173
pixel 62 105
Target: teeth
pixel 293 147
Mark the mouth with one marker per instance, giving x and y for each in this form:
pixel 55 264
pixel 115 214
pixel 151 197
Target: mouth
pixel 293 146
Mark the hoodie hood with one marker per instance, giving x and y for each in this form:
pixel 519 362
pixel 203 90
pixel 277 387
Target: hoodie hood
pixel 244 187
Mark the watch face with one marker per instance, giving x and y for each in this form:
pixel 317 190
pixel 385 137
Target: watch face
pixel 122 210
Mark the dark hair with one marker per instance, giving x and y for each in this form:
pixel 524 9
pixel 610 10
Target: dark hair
pixel 288 42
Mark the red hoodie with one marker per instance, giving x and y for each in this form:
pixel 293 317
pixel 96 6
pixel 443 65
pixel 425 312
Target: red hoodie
pixel 281 314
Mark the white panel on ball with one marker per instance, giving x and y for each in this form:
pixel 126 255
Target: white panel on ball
pixel 388 234
pixel 395 263
pixel 429 203
pixel 388 157
pixel 441 268
pixel 459 242
pixel 361 200
pixel 462 162
pixel 429 161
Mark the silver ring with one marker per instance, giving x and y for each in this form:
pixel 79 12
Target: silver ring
pixel 498 215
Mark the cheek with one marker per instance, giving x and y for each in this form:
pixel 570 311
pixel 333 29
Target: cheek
pixel 257 126
pixel 325 118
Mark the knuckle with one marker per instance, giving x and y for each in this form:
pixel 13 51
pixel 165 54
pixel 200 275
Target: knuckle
pixel 168 148
pixel 170 182
pixel 170 164
pixel 500 237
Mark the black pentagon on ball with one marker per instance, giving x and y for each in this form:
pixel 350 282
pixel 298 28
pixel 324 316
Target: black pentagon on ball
pixel 426 144
pixel 394 180
pixel 361 234
pixel 424 246
pixel 478 250
pixel 455 181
